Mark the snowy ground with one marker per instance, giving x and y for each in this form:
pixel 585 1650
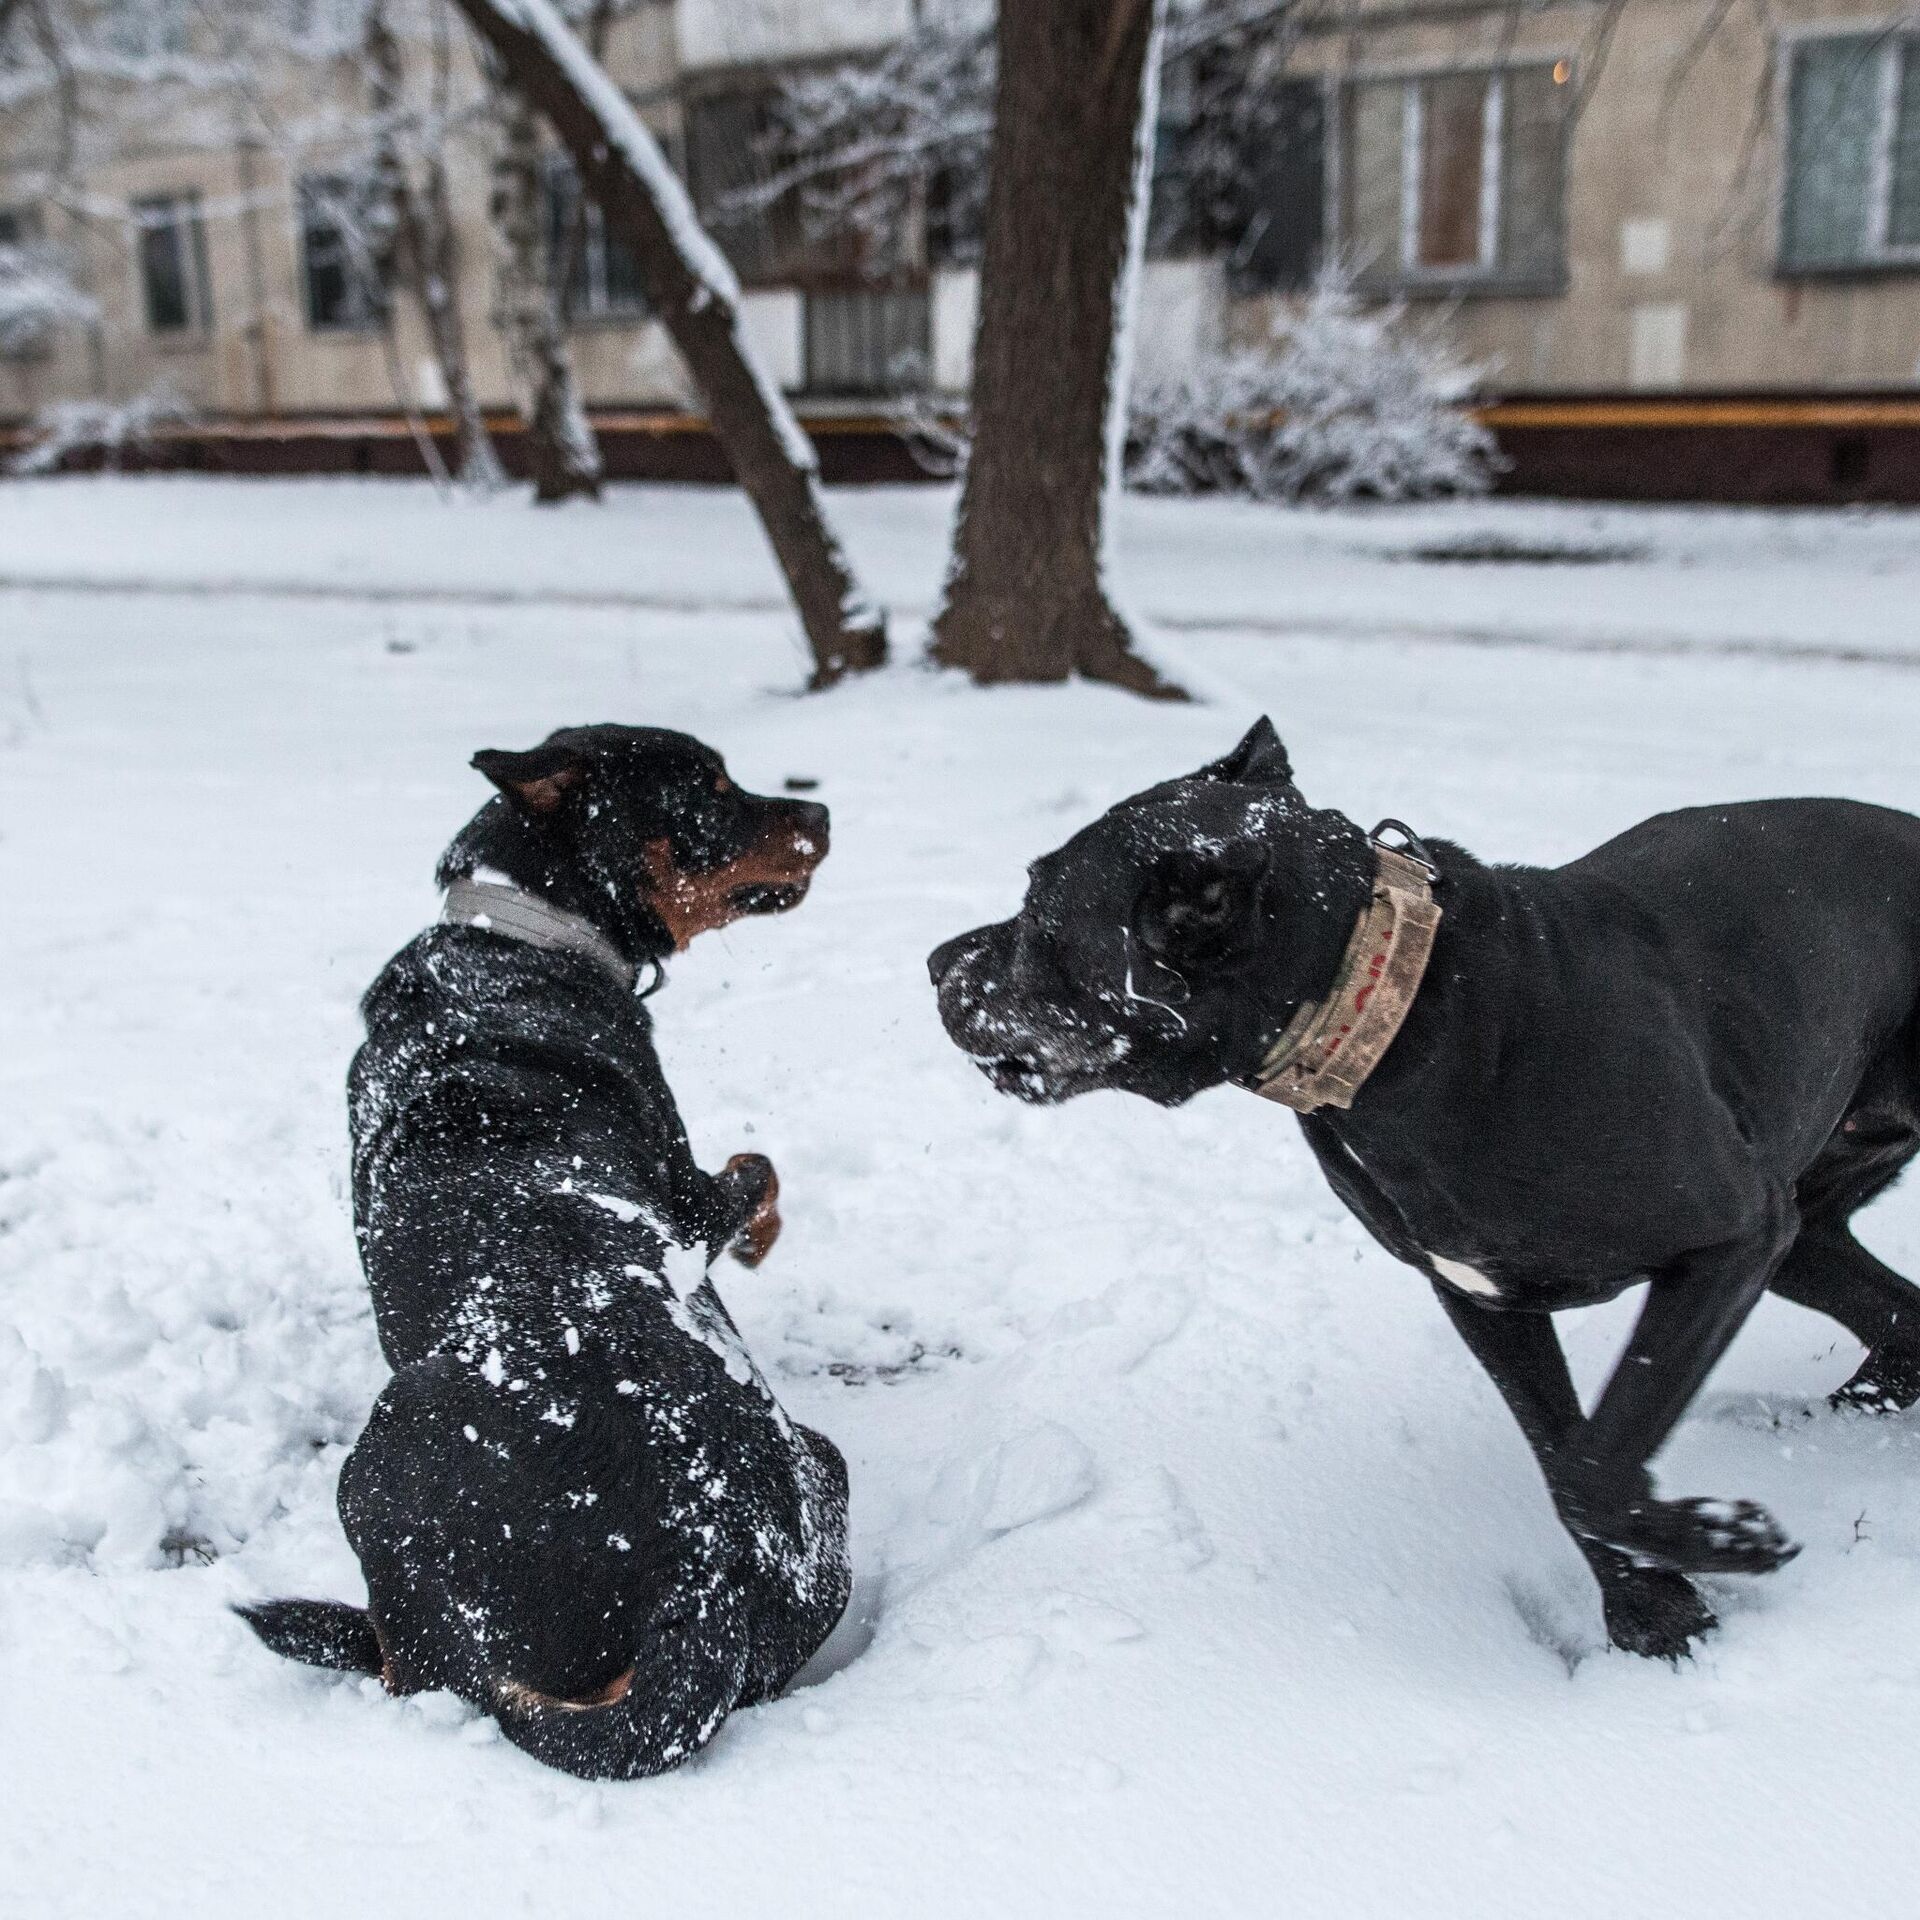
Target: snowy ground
pixel 1198 1570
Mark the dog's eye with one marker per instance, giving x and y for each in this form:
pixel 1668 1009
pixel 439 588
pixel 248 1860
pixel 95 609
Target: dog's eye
pixel 1207 908
pixel 722 784
pixel 1190 918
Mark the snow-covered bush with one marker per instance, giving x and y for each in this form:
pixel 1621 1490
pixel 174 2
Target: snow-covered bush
pixel 1348 401
pixel 36 297
pixel 107 427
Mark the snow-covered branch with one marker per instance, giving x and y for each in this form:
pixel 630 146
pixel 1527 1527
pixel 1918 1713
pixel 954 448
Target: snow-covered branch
pixel 36 298
pixel 862 142
pixel 858 140
pixel 106 427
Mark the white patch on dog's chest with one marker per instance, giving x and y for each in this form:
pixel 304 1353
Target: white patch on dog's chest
pixel 1456 1273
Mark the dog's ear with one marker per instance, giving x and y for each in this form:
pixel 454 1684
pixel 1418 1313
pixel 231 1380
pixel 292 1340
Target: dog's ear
pixel 321 1633
pixel 537 781
pixel 1258 758
pixel 1196 904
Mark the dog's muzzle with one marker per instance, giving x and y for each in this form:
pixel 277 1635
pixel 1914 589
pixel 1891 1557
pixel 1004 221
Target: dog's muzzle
pixel 965 981
pixel 979 1005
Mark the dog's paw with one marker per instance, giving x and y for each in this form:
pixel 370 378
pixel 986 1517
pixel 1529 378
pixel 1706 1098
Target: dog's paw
pixel 753 1177
pixel 1695 1536
pixel 1655 1613
pixel 1886 1381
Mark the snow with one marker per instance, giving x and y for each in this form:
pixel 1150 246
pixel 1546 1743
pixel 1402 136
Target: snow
pixel 108 427
pixel 1740 582
pixel 738 33
pixel 1197 1568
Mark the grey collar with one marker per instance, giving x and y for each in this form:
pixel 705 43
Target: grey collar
pixel 520 915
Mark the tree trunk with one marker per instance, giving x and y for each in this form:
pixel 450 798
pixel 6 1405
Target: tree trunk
pixel 697 299
pixel 565 457
pixel 1026 597
pixel 428 250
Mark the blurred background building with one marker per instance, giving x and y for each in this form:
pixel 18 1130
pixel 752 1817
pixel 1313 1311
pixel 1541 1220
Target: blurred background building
pixel 1653 223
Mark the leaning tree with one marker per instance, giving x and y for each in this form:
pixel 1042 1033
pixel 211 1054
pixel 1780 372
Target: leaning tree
pixel 694 292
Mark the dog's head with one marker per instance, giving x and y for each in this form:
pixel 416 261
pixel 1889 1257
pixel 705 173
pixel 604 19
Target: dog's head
pixel 641 830
pixel 1163 948
pixel 574 1563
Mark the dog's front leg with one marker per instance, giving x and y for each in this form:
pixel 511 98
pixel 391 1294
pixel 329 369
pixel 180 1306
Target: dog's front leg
pixel 1649 1610
pixel 750 1191
pixel 1600 1476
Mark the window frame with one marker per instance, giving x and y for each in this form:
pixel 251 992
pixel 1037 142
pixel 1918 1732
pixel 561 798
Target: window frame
pixel 1244 278
pixel 777 247
pixel 185 218
pixel 1899 38
pixel 1487 278
pixel 368 297
pixel 561 186
pixel 1413 158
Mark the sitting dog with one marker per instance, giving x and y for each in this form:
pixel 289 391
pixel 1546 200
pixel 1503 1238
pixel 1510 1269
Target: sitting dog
pixel 576 1503
pixel 1686 1058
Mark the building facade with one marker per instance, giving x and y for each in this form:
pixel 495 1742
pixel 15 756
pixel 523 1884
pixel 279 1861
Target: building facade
pixel 1663 215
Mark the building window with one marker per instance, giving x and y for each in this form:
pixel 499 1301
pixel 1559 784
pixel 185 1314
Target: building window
pixel 1281 229
pixel 868 340
pixel 1455 180
pixel 340 256
pixel 1853 154
pixel 173 264
pixel 596 273
pixel 776 234
pixel 730 158
pixel 1239 171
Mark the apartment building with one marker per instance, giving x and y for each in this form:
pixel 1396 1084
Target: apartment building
pixel 1682 238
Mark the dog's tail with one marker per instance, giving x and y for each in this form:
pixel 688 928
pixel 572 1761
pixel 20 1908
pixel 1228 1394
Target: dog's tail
pixel 322 1633
pixel 660 1712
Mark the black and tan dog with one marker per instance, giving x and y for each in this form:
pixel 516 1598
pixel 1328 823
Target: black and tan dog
pixel 1686 1058
pixel 576 1503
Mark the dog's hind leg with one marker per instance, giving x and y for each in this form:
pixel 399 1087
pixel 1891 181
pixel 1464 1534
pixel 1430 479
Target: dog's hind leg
pixel 1831 1272
pixel 1649 1610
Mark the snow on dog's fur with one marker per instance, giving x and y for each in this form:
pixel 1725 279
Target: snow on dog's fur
pixel 577 1503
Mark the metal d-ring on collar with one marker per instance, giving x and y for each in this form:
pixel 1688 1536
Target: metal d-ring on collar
pixel 1411 847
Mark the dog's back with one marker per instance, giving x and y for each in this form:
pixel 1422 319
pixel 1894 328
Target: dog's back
pixel 1772 870
pixel 1789 930
pixel 510 1120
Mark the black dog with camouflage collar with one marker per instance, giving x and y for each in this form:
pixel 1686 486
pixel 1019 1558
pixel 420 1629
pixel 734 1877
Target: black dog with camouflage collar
pixel 1686 1058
